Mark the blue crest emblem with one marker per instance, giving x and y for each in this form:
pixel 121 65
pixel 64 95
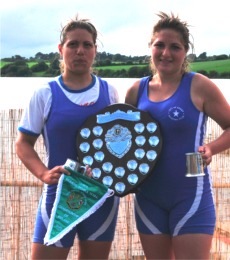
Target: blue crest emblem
pixel 118 140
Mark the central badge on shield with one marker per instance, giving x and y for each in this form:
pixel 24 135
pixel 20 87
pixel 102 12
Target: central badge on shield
pixel 118 140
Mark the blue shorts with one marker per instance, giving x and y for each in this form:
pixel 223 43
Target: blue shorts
pixel 100 226
pixel 176 213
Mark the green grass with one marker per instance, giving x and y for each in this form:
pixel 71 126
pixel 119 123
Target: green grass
pixel 119 67
pixel 30 63
pixel 3 63
pixel 219 66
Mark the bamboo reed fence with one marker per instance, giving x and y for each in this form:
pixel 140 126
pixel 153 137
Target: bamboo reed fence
pixel 20 192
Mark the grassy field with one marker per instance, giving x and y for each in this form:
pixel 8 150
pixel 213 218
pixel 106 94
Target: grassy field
pixel 30 64
pixel 218 66
pixel 3 63
pixel 119 67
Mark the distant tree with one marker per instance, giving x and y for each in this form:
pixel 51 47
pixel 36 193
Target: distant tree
pixel 213 74
pixel 133 72
pixel 20 63
pixel 104 73
pixel 129 62
pixel 40 66
pixel 204 72
pixel 53 55
pixel 221 57
pixel 107 62
pixel 123 73
pixel 38 56
pixel 24 71
pixel 225 75
pixel 202 56
pixel 55 63
pixel 54 69
pixel 19 58
pixel 117 57
pixel 16 69
pixel 9 70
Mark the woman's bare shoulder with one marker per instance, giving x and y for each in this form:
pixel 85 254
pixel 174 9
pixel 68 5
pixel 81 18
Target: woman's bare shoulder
pixel 132 92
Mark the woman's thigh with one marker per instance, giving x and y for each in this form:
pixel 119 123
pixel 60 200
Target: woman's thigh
pixel 157 246
pixel 192 246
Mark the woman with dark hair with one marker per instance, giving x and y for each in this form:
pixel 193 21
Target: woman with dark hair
pixel 57 110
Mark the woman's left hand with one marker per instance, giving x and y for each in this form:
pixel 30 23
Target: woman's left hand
pixel 206 154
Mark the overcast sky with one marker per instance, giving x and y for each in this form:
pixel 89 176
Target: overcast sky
pixel 32 26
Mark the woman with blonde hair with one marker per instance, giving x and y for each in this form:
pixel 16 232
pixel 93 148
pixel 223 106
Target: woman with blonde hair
pixel 175 215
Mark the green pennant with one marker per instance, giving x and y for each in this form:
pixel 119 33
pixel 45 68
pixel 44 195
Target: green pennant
pixel 77 197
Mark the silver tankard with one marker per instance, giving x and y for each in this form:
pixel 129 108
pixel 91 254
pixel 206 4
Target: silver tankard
pixel 75 166
pixel 194 165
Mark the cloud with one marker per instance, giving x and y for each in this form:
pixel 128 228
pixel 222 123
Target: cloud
pixel 28 27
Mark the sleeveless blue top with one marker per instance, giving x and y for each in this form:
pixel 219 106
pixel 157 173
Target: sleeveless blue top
pixel 64 120
pixel 183 130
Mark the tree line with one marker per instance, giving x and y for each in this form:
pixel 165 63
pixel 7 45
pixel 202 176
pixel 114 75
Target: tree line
pixel 47 65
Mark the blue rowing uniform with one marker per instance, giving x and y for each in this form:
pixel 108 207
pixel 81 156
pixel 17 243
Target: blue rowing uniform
pixel 168 202
pixel 60 131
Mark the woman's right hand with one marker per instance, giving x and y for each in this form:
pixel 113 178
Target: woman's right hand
pixel 52 176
